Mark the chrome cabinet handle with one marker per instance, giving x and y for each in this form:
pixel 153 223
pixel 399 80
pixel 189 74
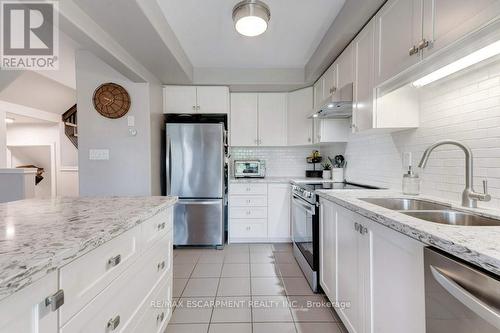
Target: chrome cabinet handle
pixel 197 107
pixel 194 107
pixel 423 44
pixel 55 301
pixel 476 305
pixel 413 50
pixel 113 261
pixel 113 323
pixel 161 265
pixel 161 226
pixel 248 228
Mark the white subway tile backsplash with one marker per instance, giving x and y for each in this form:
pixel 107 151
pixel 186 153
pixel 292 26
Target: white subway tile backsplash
pixel 465 108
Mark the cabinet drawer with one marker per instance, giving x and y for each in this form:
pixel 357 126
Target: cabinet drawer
pixel 88 275
pixel 155 311
pixel 248 213
pixel 248 189
pixel 248 201
pixel 243 228
pixel 122 297
pixel 156 227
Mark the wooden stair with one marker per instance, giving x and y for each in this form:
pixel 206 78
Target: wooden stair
pixel 70 121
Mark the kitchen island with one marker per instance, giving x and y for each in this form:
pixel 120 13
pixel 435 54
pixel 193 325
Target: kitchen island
pixel 65 262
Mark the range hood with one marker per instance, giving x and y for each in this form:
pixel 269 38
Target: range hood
pixel 339 106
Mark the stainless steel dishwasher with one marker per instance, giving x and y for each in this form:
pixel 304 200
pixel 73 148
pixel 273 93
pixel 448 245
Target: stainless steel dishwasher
pixel 459 298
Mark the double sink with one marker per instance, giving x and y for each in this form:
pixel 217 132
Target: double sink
pixel 432 212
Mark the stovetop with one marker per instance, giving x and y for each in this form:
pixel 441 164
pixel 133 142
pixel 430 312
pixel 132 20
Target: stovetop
pixel 306 190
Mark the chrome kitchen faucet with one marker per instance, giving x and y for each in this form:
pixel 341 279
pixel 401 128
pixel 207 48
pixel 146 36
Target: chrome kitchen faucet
pixel 469 196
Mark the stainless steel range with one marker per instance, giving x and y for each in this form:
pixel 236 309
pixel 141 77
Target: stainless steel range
pixel 305 225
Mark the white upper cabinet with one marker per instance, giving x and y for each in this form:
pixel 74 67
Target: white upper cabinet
pixel 272 119
pixel 445 21
pixel 244 119
pixel 363 47
pixel 212 99
pixel 179 99
pixel 318 93
pixel 196 99
pixel 299 107
pixel 345 67
pixel 330 82
pixel 398 32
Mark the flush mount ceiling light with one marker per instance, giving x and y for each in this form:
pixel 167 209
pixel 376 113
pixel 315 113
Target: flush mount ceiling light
pixel 251 17
pixel 467 61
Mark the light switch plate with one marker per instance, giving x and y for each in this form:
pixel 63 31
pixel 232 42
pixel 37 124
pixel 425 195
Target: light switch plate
pixel 99 154
pixel 131 121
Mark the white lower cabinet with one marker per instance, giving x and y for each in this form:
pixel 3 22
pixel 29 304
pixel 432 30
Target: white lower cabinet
pixel 124 285
pixel 25 311
pixel 375 270
pixel 259 212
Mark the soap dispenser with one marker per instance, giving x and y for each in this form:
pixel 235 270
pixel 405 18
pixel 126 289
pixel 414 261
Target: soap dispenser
pixel 411 181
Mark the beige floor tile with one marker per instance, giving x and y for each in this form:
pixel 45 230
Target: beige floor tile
pixel 234 287
pixel 236 248
pixel 317 328
pixel 261 248
pixel 231 328
pixel 178 288
pixel 311 309
pixel 267 286
pixel 284 258
pixel 201 287
pixel 290 270
pixel 297 286
pixel 261 258
pixel 193 311
pixel 183 270
pixel 206 271
pixel 237 258
pixel 274 328
pixel 187 328
pixel 271 309
pixel 264 270
pixel 213 258
pixel 232 310
pixel 236 270
pixel 186 258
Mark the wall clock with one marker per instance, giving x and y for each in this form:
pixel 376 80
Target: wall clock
pixel 111 100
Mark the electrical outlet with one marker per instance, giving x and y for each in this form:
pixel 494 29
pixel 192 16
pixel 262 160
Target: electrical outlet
pixel 99 154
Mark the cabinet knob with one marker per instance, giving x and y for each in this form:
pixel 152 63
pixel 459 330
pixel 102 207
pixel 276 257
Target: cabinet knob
pixel 248 228
pixel 113 323
pixel 161 265
pixel 308 139
pixel 161 226
pixel 197 107
pixel 194 107
pixel 114 261
pixel 423 44
pixel 413 50
pixel 55 301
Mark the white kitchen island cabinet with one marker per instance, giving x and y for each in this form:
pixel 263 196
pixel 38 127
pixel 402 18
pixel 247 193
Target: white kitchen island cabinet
pixel 105 277
pixel 378 271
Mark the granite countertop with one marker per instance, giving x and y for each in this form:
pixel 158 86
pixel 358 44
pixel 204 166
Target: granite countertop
pixel 38 236
pixel 477 245
pixel 297 180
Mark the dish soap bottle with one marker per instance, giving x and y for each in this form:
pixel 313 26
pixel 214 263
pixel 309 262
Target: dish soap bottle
pixel 411 182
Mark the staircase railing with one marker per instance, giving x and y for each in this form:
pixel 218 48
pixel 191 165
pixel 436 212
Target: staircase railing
pixel 70 121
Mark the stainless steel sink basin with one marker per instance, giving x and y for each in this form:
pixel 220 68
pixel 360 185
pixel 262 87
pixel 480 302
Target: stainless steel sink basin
pixel 454 218
pixel 404 204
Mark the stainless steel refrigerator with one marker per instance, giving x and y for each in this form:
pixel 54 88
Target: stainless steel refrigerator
pixel 195 174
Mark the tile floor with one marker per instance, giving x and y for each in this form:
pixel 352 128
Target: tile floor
pixel 246 288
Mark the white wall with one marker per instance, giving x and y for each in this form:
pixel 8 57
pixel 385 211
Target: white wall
pixel 156 124
pixel 128 170
pixel 3 140
pixel 466 108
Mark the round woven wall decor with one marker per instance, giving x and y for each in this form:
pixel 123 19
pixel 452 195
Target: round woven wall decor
pixel 111 100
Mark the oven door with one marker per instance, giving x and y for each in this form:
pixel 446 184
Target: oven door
pixel 305 230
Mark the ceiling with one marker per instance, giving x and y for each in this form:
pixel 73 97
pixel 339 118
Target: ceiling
pixel 205 31
pixel 21 119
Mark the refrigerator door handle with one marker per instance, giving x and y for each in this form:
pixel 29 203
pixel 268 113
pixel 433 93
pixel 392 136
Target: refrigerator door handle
pixel 168 164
